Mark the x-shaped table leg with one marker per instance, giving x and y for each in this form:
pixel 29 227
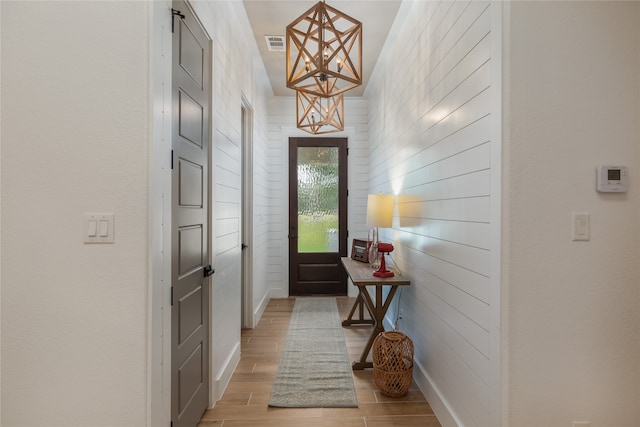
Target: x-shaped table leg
pixel 378 311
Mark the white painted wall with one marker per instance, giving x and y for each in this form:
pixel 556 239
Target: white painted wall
pixel 572 89
pixel 282 126
pixel 433 118
pixel 75 139
pixel 0 223
pixel 237 72
pixel 81 133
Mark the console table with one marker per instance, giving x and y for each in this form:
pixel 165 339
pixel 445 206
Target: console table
pixel 362 276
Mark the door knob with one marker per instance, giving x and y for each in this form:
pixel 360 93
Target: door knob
pixel 208 271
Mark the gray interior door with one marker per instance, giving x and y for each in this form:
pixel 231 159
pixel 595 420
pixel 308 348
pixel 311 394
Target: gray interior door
pixel 190 219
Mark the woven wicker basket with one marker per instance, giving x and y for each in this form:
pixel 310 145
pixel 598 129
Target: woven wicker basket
pixel 393 363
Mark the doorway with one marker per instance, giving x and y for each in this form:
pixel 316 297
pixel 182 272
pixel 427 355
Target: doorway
pixel 317 216
pixel 247 214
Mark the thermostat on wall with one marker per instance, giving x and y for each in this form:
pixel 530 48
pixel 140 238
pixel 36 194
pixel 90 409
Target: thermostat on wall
pixel 612 179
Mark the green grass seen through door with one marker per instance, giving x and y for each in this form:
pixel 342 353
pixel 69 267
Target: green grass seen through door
pixel 315 232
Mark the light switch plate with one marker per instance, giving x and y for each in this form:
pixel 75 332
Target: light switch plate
pixel 581 226
pixel 99 227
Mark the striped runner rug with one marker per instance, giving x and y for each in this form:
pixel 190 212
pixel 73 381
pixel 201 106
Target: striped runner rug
pixel 314 369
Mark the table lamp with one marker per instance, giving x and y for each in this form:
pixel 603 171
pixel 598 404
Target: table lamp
pixel 379 214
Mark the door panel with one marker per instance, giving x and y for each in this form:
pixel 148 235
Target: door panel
pixel 317 272
pixel 191 318
pixel 189 376
pixel 190 220
pixel 191 119
pixel 191 177
pixel 317 215
pixel 192 56
pixel 190 250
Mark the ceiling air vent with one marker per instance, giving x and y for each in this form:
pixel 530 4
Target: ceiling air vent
pixel 275 43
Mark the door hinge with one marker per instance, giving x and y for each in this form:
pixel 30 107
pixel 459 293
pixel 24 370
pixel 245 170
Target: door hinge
pixel 172 295
pixel 171 159
pixel 175 13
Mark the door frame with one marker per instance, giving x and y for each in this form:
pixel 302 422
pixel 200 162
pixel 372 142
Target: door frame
pixel 160 207
pixel 246 237
pixel 343 203
pixel 159 284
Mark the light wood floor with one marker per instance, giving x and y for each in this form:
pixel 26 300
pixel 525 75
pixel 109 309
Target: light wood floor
pixel 244 403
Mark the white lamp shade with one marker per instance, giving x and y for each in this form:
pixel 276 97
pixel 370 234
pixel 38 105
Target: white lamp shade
pixel 380 210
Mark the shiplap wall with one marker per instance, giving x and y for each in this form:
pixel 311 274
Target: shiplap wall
pixel 282 120
pixel 430 127
pixel 235 74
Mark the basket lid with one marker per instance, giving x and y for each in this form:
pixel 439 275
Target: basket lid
pixel 393 335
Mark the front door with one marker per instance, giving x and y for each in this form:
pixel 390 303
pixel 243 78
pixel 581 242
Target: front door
pixel 190 219
pixel 317 215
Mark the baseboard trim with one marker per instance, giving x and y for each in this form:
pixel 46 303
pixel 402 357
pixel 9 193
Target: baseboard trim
pixel 259 311
pixel 439 405
pixel 224 375
pixel 278 293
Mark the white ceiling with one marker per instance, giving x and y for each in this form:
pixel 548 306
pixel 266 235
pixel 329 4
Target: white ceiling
pixel 271 17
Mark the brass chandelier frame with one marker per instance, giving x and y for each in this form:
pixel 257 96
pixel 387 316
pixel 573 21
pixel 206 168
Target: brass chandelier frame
pixel 317 114
pixel 324 52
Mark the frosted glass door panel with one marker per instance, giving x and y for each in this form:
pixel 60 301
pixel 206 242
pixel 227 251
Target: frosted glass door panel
pixel 318 228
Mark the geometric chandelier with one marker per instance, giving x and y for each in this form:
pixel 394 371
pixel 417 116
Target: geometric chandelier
pixel 324 52
pixel 318 114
